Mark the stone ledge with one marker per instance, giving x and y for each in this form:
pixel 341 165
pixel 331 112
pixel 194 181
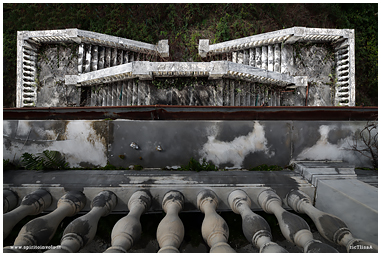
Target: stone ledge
pixel 125 182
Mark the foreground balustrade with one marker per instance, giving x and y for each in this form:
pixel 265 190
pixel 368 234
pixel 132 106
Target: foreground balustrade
pixel 128 229
pixel 214 229
pixel 255 228
pixel 82 230
pixel 32 204
pixel 10 200
pixel 329 226
pixel 40 231
pixel 170 232
pixel 293 227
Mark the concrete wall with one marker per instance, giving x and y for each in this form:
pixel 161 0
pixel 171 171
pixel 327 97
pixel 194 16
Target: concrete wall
pixel 238 144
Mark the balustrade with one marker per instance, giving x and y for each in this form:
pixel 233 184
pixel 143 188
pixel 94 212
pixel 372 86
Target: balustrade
pixel 82 230
pixel 329 226
pixel 293 227
pixel 40 231
pixel 214 229
pixel 10 200
pixel 255 228
pixel 32 204
pixel 128 229
pixel 170 232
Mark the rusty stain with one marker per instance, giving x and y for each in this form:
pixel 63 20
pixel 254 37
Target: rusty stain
pixel 164 112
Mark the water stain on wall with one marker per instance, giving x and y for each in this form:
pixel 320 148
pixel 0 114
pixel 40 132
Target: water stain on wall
pixel 234 152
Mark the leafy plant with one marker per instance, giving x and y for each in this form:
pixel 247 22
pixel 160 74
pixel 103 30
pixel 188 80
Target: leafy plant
pixel 265 167
pixel 194 165
pixel 47 160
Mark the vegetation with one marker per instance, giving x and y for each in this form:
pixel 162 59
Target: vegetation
pixel 184 24
pixel 194 165
pixel 265 167
pixel 47 160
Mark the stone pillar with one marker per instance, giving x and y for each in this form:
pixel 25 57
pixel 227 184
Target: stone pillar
pixel 330 227
pixel 170 232
pixel 270 57
pixel 101 59
pixel 255 228
pixel 252 57
pixel 40 231
pixel 235 57
pixel 10 200
pixel 82 230
pixel 32 204
pixel 88 58
pixel 128 229
pixel 258 57
pixel 293 227
pixel 94 58
pixel 264 57
pixel 214 228
pixel 277 58
pixel 81 50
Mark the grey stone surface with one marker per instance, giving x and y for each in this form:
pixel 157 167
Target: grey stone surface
pixel 125 182
pixel 54 64
pixel 355 202
pixel 238 144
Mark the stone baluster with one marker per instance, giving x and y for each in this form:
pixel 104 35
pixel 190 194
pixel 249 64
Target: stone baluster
pixel 252 57
pixel 264 57
pixel 128 229
pixel 293 227
pixel 270 57
pixel 258 57
pixel 214 229
pixel 277 58
pixel 82 230
pixel 10 200
pixel 255 228
pixel 40 231
pixel 330 227
pixel 170 232
pixel 32 204
pixel 87 58
pixel 81 50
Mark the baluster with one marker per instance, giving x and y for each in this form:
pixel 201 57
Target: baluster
pixel 170 232
pixel 82 230
pixel 330 227
pixel 32 204
pixel 255 228
pixel 128 229
pixel 40 231
pixel 293 227
pixel 214 229
pixel 10 200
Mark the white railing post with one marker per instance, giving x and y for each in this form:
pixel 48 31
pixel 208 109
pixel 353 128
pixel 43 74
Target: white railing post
pixel 170 232
pixel 255 228
pixel 40 231
pixel 128 229
pixel 330 227
pixel 10 200
pixel 214 229
pixel 293 227
pixel 82 230
pixel 32 204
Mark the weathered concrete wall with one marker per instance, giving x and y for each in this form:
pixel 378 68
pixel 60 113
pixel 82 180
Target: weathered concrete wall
pixel 227 144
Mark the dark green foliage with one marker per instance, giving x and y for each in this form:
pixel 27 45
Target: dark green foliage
pixel 265 167
pixel 194 165
pixel 47 160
